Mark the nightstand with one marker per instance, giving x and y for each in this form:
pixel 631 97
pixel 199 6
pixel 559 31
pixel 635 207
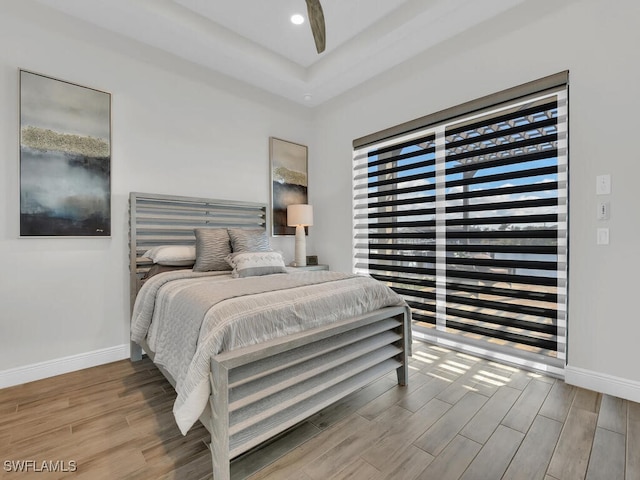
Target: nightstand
pixel 313 267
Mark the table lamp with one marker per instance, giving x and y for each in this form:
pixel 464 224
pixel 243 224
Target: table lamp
pixel 300 216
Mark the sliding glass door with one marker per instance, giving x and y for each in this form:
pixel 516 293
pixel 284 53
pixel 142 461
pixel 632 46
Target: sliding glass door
pixel 467 219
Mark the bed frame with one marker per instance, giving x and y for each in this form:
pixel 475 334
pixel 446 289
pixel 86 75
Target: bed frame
pixel 262 390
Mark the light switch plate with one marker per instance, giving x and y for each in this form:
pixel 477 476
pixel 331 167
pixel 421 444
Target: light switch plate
pixel 603 184
pixel 603 236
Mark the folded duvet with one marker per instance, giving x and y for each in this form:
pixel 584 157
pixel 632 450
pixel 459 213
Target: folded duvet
pixel 188 317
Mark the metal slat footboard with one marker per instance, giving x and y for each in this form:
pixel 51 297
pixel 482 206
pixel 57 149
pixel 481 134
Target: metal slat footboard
pixel 255 396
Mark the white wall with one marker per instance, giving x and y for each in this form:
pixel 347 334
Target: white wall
pixel 175 130
pixel 179 130
pixel 597 43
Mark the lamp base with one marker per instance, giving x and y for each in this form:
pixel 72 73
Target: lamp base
pixel 301 247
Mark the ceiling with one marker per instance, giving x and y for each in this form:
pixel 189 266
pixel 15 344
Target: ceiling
pixel 255 42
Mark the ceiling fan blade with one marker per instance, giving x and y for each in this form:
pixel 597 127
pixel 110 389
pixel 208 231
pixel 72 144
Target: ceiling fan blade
pixel 316 20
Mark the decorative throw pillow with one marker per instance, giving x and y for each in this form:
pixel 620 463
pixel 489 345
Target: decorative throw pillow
pixel 249 240
pixel 212 248
pixel 252 264
pixel 174 255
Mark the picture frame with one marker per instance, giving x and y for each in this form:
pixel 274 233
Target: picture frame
pixel 312 260
pixel 65 158
pixel 289 180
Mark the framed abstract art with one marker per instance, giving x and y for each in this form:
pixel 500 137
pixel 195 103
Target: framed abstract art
pixel 288 181
pixel 65 159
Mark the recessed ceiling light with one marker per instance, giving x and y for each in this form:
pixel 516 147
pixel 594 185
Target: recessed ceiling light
pixel 297 19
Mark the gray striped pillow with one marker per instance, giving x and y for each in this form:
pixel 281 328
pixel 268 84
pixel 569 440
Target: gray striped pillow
pixel 249 240
pixel 212 248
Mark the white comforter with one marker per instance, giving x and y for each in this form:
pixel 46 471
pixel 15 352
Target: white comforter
pixel 186 318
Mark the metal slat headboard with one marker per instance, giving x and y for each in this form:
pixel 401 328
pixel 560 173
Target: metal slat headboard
pixel 170 220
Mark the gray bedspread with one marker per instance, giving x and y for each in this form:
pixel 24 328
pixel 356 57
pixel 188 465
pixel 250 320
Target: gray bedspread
pixel 186 318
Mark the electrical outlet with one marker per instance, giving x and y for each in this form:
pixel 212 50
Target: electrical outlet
pixel 603 210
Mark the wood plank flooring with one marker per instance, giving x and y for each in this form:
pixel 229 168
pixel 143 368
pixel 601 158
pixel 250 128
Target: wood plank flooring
pixel 461 417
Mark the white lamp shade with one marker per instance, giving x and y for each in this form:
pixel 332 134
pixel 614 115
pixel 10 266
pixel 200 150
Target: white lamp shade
pixel 300 214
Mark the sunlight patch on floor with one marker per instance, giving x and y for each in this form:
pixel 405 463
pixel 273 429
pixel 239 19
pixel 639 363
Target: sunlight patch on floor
pixel 494 376
pixel 452 368
pixel 435 375
pixel 490 381
pixel 467 357
pixel 504 367
pixel 459 365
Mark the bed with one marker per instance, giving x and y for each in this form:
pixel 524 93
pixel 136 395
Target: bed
pixel 315 337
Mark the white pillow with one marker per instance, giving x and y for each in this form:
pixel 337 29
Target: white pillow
pixel 253 264
pixel 177 255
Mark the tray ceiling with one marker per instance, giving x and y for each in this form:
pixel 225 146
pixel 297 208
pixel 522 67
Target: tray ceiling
pixel 255 42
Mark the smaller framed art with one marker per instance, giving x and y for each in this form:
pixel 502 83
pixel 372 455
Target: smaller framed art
pixel 288 181
pixel 65 159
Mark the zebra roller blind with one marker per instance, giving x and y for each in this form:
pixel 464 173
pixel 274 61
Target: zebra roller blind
pixel 467 219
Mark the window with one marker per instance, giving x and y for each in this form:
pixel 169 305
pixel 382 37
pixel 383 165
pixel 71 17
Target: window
pixel 464 213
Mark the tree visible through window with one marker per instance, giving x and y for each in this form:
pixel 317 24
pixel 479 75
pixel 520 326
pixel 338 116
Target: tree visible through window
pixel 467 219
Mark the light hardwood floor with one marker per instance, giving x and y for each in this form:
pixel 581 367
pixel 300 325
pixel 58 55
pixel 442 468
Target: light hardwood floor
pixel 461 417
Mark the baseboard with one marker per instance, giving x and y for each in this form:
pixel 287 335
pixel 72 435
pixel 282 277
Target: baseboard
pixel 58 366
pixel 599 382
